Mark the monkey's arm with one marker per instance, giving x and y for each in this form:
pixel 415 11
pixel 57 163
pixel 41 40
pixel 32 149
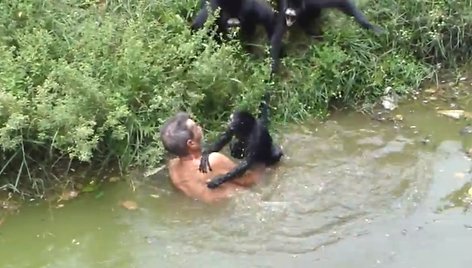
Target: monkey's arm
pixel 238 171
pixel 200 19
pixel 277 36
pixel 224 139
pixel 202 15
pixel 276 43
pixel 267 16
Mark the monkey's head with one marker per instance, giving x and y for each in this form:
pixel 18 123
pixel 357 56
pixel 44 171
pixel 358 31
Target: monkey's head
pixel 294 7
pixel 233 22
pixel 241 123
pixel 233 25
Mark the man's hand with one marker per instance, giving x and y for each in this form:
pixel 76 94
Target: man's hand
pixel 204 163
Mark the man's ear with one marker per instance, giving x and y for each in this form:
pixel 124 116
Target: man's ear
pixel 190 142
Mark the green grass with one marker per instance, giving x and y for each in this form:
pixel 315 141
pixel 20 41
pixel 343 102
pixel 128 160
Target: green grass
pixel 82 83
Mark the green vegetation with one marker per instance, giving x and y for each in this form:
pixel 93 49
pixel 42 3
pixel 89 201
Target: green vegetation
pixel 86 82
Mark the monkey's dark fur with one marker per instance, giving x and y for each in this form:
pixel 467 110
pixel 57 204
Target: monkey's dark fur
pixel 253 143
pixel 303 12
pixel 245 14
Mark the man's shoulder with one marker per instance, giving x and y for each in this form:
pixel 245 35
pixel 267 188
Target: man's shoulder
pixel 220 162
pixel 174 171
pixel 217 157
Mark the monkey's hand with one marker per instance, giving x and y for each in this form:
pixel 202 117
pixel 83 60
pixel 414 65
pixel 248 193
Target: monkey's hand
pixel 204 163
pixel 217 181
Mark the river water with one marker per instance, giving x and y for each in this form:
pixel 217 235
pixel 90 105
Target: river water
pixel 351 192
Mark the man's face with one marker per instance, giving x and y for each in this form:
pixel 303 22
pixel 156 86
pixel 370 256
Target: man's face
pixel 196 130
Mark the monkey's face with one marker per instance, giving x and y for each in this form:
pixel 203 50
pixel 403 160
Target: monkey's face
pixel 233 25
pixel 241 123
pixel 234 122
pixel 233 22
pixel 293 10
pixel 290 16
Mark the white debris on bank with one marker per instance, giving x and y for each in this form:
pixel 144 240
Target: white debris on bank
pixel 389 99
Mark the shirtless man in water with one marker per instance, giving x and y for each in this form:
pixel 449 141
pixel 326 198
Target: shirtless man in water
pixel 182 137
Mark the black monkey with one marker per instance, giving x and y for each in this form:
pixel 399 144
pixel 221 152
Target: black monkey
pixel 303 12
pixel 245 14
pixel 202 16
pixel 253 143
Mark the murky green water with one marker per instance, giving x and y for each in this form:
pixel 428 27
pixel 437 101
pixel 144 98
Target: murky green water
pixel 352 192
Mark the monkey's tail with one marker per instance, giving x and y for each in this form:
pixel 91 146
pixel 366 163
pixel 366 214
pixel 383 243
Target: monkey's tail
pixel 264 106
pixel 351 9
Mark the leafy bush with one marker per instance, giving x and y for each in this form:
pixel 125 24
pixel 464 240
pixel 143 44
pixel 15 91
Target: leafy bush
pixel 92 81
